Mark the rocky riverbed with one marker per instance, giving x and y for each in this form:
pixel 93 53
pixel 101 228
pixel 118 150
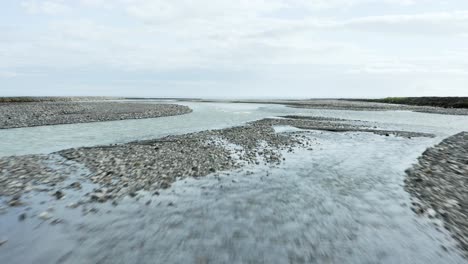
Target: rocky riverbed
pixel 125 169
pixel 14 115
pixel 311 187
pixel 439 182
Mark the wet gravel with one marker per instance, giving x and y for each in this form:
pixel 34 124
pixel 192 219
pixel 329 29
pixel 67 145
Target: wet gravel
pixel 439 182
pixel 125 169
pixel 23 174
pixel 116 174
pixel 155 164
pixel 338 125
pixel 14 115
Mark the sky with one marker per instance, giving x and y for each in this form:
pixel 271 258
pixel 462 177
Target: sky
pixel 234 48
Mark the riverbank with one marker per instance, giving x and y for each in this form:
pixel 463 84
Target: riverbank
pixel 439 183
pixel 14 115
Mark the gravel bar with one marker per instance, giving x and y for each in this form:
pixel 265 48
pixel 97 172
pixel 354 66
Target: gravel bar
pixel 125 169
pixel 439 182
pixel 14 115
pixel 343 104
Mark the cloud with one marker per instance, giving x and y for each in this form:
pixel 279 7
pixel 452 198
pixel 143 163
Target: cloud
pixel 318 39
pixel 440 23
pixel 51 7
pixel 8 74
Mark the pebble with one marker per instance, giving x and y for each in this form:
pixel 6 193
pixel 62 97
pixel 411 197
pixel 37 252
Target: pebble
pixel 15 203
pixel 76 185
pixel 431 213
pixel 72 205
pixel 45 216
pixel 59 195
pixel 56 221
pixel 22 217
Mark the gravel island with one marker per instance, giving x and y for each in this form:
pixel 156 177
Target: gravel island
pixel 14 115
pixel 125 169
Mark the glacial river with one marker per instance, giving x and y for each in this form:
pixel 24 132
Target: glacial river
pixel 341 202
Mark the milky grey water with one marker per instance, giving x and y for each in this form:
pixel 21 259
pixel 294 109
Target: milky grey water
pixel 341 202
pixel 46 139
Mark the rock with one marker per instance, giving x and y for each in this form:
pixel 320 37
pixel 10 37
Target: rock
pixel 165 185
pixel 44 216
pixel 28 188
pixel 56 221
pixel 451 203
pixel 15 201
pixel 99 197
pixel 443 213
pixel 72 205
pixel 22 217
pixel 431 213
pixel 59 195
pixel 76 185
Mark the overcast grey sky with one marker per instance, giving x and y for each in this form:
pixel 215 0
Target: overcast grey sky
pixel 229 48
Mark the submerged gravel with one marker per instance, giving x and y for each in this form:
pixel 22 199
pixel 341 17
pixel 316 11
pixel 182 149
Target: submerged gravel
pixel 440 183
pixel 13 115
pixel 155 164
pixel 125 169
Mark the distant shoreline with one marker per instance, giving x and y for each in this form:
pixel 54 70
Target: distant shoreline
pixel 445 102
pixel 434 105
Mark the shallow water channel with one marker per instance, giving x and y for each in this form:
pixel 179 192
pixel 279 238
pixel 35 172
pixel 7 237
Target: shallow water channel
pixel 340 202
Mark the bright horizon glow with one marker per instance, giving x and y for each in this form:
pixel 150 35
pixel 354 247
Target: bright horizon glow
pixel 234 49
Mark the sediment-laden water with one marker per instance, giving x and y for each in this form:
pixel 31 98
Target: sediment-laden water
pixel 340 201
